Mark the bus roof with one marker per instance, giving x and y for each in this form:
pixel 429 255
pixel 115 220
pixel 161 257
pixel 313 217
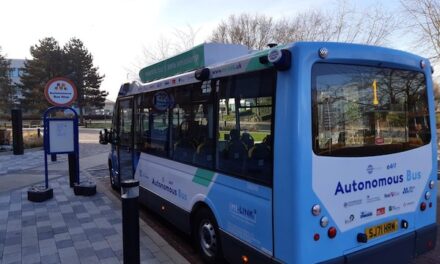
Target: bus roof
pixel 221 59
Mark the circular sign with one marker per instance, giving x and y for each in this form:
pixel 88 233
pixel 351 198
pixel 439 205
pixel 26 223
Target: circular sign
pixel 162 101
pixel 60 92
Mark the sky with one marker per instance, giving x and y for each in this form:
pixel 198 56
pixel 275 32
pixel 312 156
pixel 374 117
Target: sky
pixel 116 32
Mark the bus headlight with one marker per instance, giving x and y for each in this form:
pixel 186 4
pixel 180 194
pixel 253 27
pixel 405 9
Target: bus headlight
pixel 431 184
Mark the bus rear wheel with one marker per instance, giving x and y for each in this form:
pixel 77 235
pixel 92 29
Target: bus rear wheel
pixel 206 236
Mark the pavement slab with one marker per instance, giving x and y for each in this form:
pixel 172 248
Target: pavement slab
pixel 70 229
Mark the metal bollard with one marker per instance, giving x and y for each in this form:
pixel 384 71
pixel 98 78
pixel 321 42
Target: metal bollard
pixel 72 169
pixel 130 220
pixel 53 157
pixel 17 131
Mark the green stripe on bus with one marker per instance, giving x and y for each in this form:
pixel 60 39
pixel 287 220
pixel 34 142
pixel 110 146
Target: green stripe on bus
pixel 203 177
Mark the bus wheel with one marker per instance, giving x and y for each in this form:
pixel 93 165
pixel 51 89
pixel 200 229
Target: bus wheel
pixel 112 179
pixel 207 237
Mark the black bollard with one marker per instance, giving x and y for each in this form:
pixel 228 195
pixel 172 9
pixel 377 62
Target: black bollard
pixel 53 157
pixel 130 221
pixel 38 132
pixel 17 132
pixel 72 169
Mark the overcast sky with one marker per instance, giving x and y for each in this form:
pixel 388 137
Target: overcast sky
pixel 117 31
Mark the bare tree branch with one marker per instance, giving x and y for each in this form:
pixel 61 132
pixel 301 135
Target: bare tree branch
pixel 343 24
pixel 425 22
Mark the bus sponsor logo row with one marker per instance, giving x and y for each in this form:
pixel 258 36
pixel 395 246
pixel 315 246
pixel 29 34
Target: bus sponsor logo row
pixel 366 214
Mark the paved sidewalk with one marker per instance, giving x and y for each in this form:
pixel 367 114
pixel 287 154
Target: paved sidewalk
pixel 71 229
pixel 30 159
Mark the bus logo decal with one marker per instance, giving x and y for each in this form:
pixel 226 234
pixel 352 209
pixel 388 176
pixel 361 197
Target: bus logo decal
pixel 164 187
pixel 408 189
pixel 390 194
pixel 370 169
pixel 353 203
pixel 380 211
pixel 368 184
pixel 243 212
pixel 365 214
pixel 373 199
pixel 393 208
pixel 350 219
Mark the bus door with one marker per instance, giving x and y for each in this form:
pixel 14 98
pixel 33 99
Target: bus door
pixel 125 135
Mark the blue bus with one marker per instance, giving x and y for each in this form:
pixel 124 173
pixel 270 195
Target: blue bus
pixel 308 152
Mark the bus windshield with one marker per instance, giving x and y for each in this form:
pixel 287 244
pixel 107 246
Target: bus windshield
pixel 368 111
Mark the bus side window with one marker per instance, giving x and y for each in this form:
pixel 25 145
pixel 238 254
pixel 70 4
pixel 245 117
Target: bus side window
pixel 244 145
pixel 151 127
pixel 192 116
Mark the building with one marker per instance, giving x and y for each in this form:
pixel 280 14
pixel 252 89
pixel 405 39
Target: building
pixel 107 110
pixel 15 71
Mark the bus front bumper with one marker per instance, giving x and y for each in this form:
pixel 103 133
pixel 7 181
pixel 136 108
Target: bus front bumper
pixel 398 250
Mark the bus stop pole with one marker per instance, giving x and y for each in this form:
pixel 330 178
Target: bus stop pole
pixel 46 150
pixel 130 221
pixel 46 176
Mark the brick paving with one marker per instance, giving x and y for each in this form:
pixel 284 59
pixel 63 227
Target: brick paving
pixel 70 229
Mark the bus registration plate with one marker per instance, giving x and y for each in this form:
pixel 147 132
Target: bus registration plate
pixel 382 229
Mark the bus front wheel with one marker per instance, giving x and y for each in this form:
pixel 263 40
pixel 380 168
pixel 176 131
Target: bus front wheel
pixel 206 236
pixel 112 179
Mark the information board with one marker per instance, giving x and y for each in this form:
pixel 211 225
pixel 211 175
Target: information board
pixel 61 136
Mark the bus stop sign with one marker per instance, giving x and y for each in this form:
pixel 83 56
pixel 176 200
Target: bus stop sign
pixel 60 92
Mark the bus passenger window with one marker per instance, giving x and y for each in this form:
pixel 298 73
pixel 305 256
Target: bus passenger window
pixel 244 145
pixel 192 118
pixel 151 127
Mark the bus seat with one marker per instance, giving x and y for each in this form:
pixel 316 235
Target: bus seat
pixel 234 135
pixel 235 155
pixel 204 154
pixel 248 140
pixel 184 150
pixel 260 162
pixel 236 150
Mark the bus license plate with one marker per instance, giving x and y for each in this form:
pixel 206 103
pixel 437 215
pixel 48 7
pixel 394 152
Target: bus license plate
pixel 382 229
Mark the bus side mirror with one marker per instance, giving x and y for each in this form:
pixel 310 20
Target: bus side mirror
pixel 103 136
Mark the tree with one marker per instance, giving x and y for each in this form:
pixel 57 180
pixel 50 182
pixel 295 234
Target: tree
pixel 80 69
pixel 184 39
pixel 343 24
pixel 6 87
pixel 425 17
pixel 253 31
pixel 73 62
pixel 47 62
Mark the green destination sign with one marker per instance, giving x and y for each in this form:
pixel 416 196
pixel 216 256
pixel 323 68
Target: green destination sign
pixel 195 58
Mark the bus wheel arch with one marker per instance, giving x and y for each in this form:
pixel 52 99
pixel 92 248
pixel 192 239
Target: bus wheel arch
pixel 205 233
